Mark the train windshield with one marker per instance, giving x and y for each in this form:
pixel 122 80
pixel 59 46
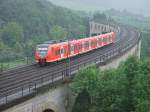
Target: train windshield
pixel 42 49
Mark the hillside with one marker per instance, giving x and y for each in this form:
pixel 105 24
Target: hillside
pixel 141 23
pixel 133 6
pixel 24 23
pixel 78 4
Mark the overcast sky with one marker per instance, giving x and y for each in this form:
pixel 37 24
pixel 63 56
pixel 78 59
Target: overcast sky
pixel 135 6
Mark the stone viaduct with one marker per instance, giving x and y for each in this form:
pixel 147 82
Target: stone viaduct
pixel 60 98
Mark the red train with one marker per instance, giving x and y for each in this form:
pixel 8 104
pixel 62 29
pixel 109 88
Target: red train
pixel 54 50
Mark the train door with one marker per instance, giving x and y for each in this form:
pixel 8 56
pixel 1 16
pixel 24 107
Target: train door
pixel 62 51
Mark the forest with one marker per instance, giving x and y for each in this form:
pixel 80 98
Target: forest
pixel 25 23
pixel 125 89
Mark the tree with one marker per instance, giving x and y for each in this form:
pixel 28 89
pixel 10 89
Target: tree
pixel 130 69
pixel 125 89
pixel 11 34
pixel 98 17
pixel 18 47
pixel 84 84
pixel 57 32
pixel 143 106
pixel 145 48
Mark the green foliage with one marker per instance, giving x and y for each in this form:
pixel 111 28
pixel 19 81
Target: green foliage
pixel 57 32
pixel 100 18
pixel 143 106
pixel 87 82
pixel 18 47
pixel 103 18
pixel 125 89
pixel 11 33
pixel 25 23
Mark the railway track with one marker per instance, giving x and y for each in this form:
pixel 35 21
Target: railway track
pixel 28 78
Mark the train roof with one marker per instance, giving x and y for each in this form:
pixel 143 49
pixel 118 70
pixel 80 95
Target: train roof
pixel 54 41
pixel 61 42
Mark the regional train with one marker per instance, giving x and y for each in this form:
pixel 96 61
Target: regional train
pixel 51 51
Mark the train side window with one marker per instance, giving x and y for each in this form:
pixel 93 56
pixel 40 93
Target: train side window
pixel 96 42
pixel 75 47
pixel 110 38
pixel 65 51
pixel 72 48
pixel 105 39
pixel 93 43
pixel 86 45
pixel 58 52
pixel 100 40
pixel 80 46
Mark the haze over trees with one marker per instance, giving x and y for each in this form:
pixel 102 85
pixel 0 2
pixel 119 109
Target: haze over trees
pixel 25 23
pixel 134 13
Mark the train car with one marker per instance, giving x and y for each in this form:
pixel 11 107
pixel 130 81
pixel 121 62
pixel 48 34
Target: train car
pixel 58 50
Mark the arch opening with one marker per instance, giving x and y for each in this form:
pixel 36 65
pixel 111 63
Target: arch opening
pixel 83 102
pixel 48 110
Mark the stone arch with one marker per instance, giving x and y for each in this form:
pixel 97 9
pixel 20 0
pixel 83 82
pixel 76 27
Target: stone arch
pixel 48 110
pixel 50 106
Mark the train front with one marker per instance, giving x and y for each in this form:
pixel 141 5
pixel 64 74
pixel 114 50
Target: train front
pixel 41 54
